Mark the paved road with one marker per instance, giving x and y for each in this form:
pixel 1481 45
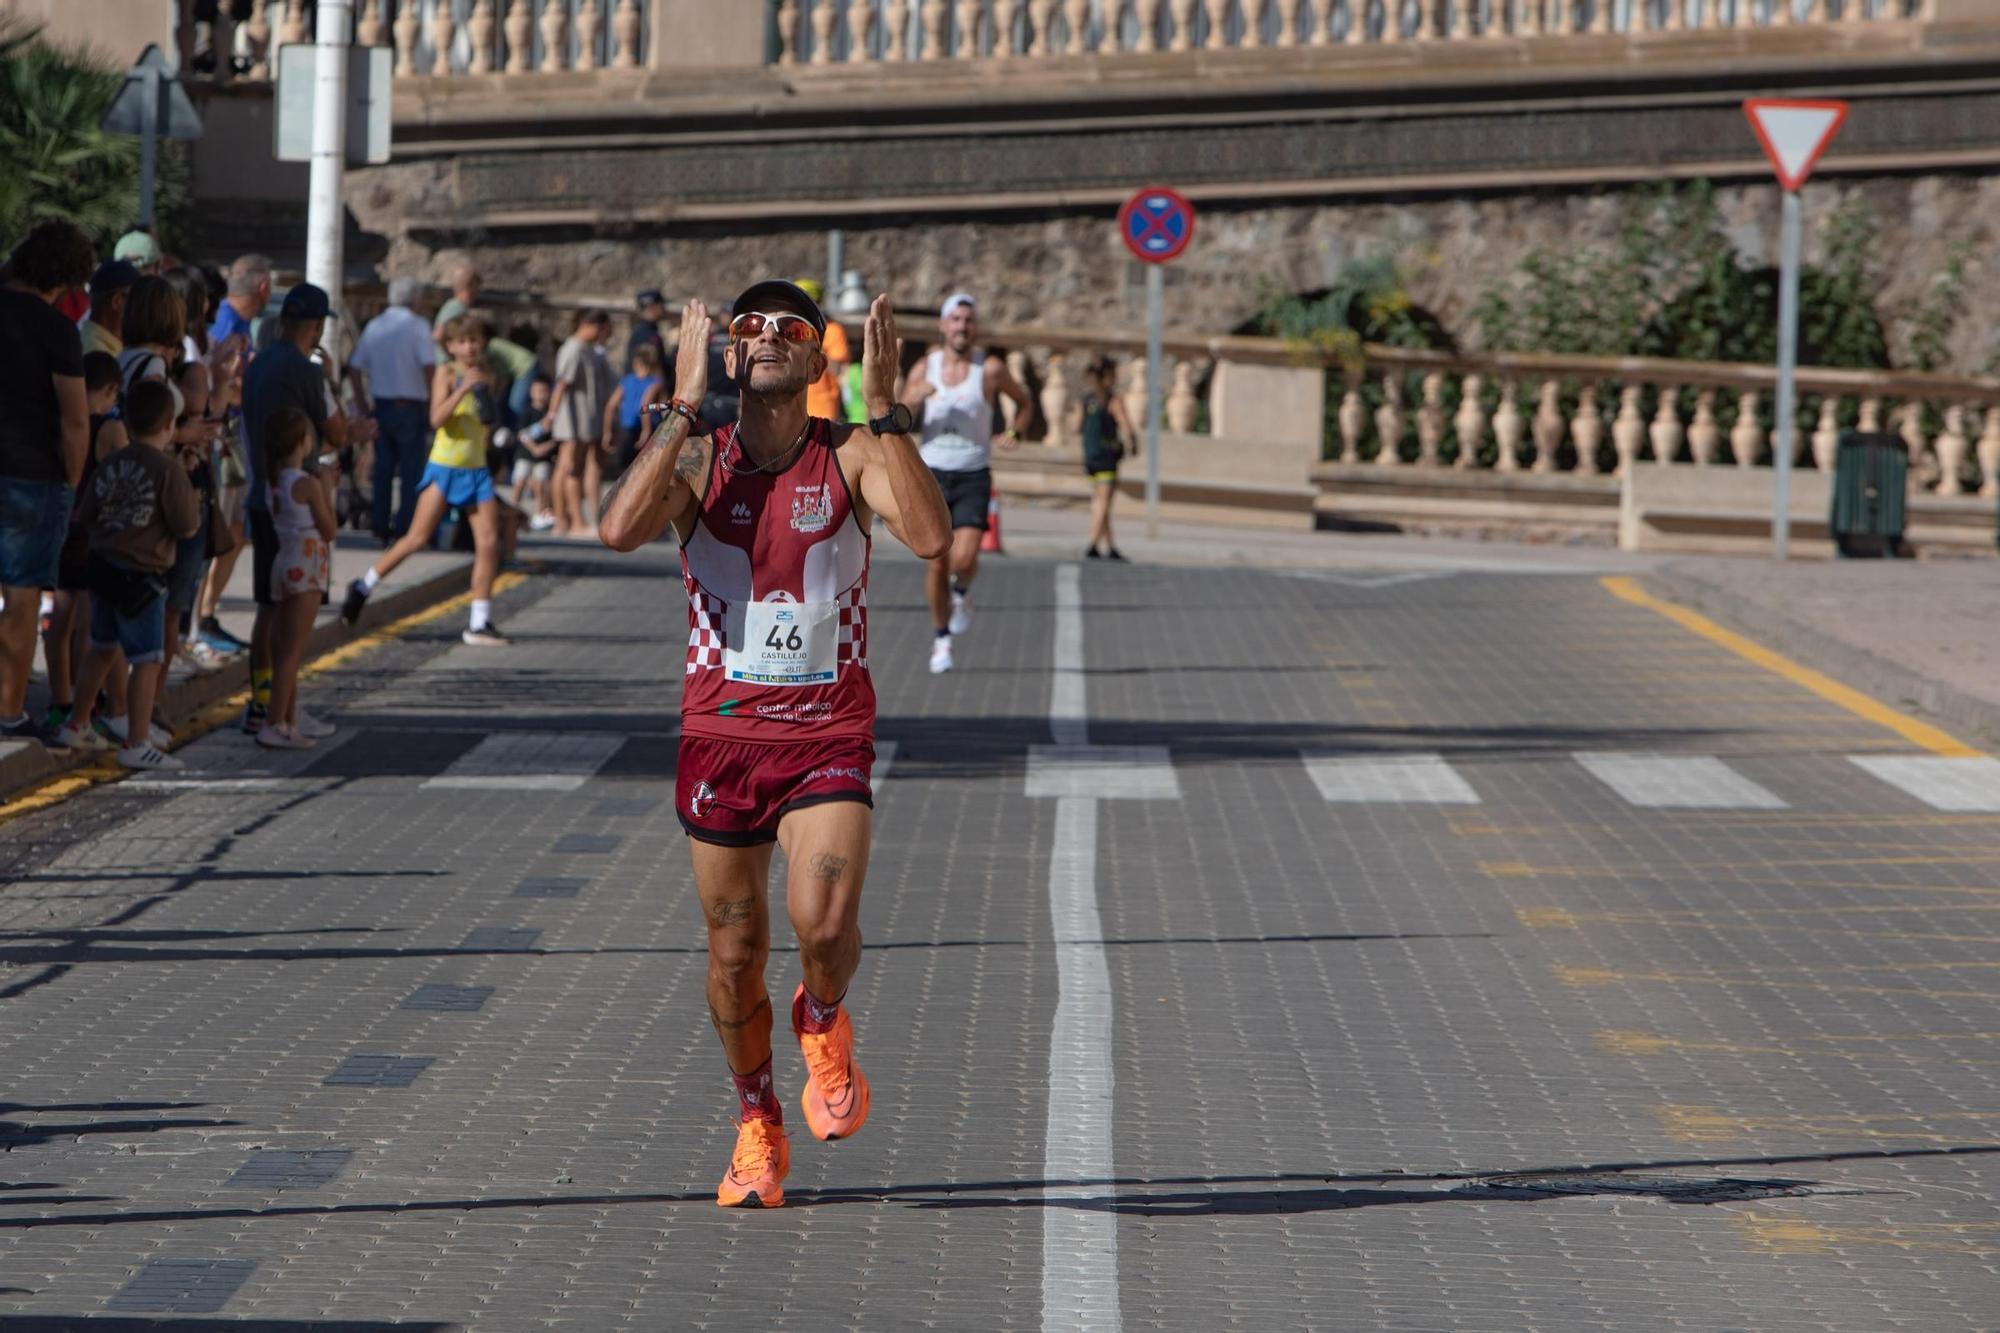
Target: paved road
pixel 1247 950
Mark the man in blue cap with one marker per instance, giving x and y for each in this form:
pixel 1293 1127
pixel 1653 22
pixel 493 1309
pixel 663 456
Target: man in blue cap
pixel 283 375
pixel 651 309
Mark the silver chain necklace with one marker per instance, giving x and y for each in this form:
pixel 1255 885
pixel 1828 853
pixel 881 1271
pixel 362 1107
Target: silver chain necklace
pixel 736 443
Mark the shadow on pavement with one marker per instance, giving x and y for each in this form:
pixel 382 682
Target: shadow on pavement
pixel 127 1324
pixel 17 1134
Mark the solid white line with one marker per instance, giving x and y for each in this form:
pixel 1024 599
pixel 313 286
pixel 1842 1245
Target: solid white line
pixel 1105 772
pixel 1079 1241
pixel 1079 1237
pixel 530 761
pixel 885 759
pixel 1960 786
pixel 1068 717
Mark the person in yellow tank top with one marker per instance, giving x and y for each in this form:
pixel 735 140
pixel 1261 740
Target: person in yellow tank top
pixel 463 410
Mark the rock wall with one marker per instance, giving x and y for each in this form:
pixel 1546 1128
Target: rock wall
pixel 1070 269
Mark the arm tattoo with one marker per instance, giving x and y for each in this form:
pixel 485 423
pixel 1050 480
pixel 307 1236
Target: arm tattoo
pixel 691 464
pixel 734 912
pixel 722 1024
pixel 826 867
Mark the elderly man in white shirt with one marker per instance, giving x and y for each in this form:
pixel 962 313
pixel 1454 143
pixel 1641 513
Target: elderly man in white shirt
pixel 398 355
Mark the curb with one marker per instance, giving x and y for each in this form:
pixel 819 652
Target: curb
pixel 32 765
pixel 1978 720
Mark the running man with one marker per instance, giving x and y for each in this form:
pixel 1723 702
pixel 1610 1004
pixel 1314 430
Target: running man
pixel 773 515
pixel 956 388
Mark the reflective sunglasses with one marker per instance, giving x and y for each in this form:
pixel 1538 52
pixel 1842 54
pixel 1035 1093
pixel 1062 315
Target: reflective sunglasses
pixel 792 328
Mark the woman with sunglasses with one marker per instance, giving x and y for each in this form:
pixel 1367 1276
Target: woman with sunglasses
pixel 773 515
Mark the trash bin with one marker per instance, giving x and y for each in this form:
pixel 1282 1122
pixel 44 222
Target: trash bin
pixel 1871 471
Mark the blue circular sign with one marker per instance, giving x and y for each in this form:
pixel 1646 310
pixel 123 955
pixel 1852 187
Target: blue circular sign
pixel 1156 224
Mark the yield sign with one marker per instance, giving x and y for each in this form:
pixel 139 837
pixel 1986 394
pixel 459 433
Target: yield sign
pixel 1794 134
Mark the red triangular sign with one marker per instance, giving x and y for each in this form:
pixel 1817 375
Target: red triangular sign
pixel 1794 134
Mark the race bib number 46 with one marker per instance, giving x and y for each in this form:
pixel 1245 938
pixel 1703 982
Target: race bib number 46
pixel 785 643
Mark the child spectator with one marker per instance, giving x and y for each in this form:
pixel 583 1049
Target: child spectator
pixel 65 637
pixel 533 461
pixel 463 413
pixel 302 513
pixel 642 386
pixel 138 508
pixel 1105 430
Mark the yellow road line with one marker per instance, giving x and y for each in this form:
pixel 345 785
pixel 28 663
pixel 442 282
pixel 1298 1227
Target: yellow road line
pixel 61 787
pixel 1917 733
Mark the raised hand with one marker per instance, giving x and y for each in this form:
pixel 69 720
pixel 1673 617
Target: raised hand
pixel 691 358
pixel 881 358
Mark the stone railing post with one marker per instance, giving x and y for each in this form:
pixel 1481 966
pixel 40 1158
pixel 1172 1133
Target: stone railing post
pixel 1181 401
pixel 625 35
pixel 1628 430
pixel 1042 19
pixel 1293 13
pixel 1430 420
pixel 1705 435
pixel 519 28
pixel 1665 432
pixel 589 22
pixel 1136 390
pixel 788 32
pixel 965 29
pixel 1952 448
pixel 404 30
pixel 1353 419
pixel 1587 429
pixel 1076 16
pixel 1005 26
pixel 1548 426
pixel 373 24
pixel 1746 437
pixel 444 28
pixel 1507 429
pixel 1989 451
pixel 1427 28
pixel 555 35
pixel 821 21
pixel 1528 18
pixel 1389 420
pixel 1184 16
pixel 1055 399
pixel 899 30
pixel 1826 435
pixel 1911 427
pixel 1469 422
pixel 479 29
pixel 1871 414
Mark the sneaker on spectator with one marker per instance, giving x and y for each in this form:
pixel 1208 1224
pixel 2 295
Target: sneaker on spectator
pixel 34 729
pixel 120 729
pixel 254 717
pixel 314 728
pixel 542 522
pixel 220 639
pixel 276 736
pixel 486 636
pixel 147 756
pixel 86 740
pixel 350 606
pixel 182 669
pixel 206 659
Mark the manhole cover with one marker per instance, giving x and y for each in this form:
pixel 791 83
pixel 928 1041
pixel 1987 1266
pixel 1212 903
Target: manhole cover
pixel 1673 1189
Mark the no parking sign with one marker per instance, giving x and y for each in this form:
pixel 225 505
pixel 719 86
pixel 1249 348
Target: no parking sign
pixel 1157 224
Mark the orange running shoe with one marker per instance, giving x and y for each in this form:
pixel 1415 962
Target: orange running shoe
pixel 836 1095
pixel 757 1172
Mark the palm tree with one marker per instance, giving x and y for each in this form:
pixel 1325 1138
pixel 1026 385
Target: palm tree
pixel 54 160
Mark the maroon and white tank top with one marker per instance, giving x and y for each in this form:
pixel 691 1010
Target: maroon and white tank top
pixel 777 584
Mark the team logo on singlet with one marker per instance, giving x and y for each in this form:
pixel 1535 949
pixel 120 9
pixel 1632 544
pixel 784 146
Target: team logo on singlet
pixel 812 508
pixel 702 801
pixel 741 514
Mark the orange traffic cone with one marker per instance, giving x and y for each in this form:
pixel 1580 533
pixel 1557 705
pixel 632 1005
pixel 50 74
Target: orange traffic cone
pixel 991 541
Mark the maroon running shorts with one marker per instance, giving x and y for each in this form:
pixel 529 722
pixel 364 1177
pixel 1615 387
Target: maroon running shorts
pixel 733 794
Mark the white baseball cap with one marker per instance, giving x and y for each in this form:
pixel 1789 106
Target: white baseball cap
pixel 954 301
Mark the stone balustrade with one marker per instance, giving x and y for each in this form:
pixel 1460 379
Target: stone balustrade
pixel 817 32
pixel 440 38
pixel 1401 408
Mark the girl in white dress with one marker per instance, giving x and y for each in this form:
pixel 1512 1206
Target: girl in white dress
pixel 302 513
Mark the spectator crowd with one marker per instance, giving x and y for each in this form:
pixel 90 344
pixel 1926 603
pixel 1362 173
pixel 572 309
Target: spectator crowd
pixel 160 422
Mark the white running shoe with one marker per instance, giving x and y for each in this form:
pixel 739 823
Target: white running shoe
pixel 313 728
pixel 542 522
pixel 85 739
pixel 275 737
pixel 940 656
pixel 961 614
pixel 147 757
pixel 158 735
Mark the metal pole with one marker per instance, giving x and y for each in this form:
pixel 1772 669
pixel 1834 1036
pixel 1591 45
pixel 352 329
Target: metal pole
pixel 1788 356
pixel 836 260
pixel 155 89
pixel 1155 289
pixel 325 213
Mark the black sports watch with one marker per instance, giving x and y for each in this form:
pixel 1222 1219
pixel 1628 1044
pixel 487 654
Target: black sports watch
pixel 899 421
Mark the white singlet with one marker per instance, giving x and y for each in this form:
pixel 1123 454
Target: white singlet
pixel 958 421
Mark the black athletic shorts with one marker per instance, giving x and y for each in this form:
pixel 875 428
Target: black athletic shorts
pixel 966 495
pixel 263 555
